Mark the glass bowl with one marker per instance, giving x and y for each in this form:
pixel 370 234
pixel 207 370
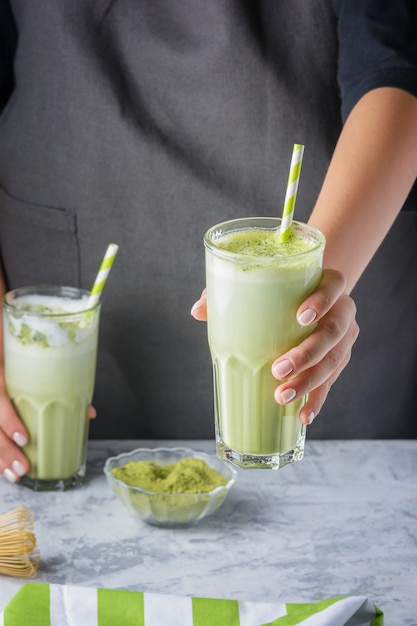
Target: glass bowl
pixel 174 509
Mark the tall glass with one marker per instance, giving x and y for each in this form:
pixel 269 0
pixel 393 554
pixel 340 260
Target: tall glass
pixel 252 299
pixel 50 350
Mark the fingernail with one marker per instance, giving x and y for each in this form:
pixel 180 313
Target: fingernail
pixel 310 417
pixel 195 306
pixel 287 395
pixel 307 317
pixel 19 468
pixel 11 476
pixel 20 439
pixel 282 369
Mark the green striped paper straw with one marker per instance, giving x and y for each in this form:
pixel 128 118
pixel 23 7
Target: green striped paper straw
pixel 103 272
pixel 291 193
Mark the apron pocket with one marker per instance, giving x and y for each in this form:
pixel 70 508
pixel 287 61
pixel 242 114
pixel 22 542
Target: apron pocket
pixel 39 244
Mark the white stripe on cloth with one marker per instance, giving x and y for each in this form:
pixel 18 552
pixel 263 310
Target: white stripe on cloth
pixel 167 610
pixel 340 613
pixel 73 606
pixel 255 613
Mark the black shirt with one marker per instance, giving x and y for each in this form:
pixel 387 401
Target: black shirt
pixel 377 48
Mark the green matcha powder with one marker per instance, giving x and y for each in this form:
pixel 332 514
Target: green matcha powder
pixel 189 475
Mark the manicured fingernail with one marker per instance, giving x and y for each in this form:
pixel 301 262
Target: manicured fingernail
pixel 20 439
pixel 311 417
pixel 18 468
pixel 307 317
pixel 195 306
pixel 11 476
pixel 282 369
pixel 287 395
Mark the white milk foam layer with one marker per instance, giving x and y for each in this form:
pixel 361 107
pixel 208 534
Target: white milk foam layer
pixel 55 304
pixel 49 328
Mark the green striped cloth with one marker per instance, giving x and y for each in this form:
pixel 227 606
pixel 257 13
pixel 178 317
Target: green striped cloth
pixel 42 604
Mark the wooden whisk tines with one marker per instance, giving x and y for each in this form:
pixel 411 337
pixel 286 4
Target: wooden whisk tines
pixel 18 553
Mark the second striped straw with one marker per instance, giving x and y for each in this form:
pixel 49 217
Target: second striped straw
pixel 103 272
pixel 291 193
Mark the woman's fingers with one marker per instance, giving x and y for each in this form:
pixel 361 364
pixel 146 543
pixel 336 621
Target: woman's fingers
pixel 327 344
pixel 317 380
pixel 92 413
pixel 13 435
pixel 199 308
pixel 315 364
pixel 318 303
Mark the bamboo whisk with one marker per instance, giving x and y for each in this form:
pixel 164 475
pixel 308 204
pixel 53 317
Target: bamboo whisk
pixel 18 553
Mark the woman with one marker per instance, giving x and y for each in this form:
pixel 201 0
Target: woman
pixel 146 123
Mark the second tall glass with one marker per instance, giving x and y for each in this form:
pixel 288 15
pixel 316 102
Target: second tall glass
pixel 50 349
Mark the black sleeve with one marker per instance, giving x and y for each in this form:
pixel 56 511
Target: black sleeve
pixel 377 47
pixel 8 41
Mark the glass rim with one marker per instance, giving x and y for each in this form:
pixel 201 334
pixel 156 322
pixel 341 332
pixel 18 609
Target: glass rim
pixel 261 222
pixel 59 291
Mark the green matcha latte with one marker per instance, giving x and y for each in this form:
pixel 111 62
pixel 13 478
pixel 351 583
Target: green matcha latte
pixel 254 287
pixel 50 344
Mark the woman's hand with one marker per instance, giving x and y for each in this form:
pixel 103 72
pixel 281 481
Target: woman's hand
pixel 13 435
pixel 317 361
pixel 315 364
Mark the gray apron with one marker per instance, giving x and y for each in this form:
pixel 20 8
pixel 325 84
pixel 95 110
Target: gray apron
pixel 144 123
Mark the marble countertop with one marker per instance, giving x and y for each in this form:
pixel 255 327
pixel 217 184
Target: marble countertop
pixel 343 521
